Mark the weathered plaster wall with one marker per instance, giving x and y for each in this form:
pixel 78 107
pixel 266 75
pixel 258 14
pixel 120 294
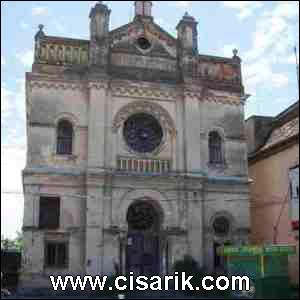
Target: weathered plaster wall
pixel 72 223
pixel 268 192
pixel 46 107
pixel 228 120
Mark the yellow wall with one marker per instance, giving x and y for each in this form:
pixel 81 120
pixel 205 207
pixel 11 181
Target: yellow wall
pixel 268 192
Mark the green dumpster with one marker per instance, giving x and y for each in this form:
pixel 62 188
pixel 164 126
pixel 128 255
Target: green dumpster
pixel 267 267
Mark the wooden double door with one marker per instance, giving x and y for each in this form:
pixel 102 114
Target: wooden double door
pixel 143 253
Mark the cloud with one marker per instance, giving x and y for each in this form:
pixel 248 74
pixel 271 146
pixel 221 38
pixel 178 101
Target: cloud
pixel 3 61
pixel 13 157
pixel 40 11
pixel 6 105
pixel 183 4
pixel 261 73
pixel 244 9
pixel 274 32
pixel 287 9
pixel 21 101
pixel 13 105
pixel 12 205
pixel 272 44
pixel 26 58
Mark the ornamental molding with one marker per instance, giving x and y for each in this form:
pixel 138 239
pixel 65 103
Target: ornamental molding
pixel 151 92
pixel 207 96
pixel 222 214
pixel 98 85
pixel 193 94
pixel 68 85
pixel 58 85
pixel 153 109
pixel 223 100
pixel 138 91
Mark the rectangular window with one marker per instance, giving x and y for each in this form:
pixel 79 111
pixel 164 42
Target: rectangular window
pixel 56 255
pixel 294 197
pixel 49 213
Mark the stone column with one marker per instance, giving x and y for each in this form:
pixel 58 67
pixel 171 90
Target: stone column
pixel 180 146
pixel 97 125
pixel 196 229
pixel 94 230
pixel 192 131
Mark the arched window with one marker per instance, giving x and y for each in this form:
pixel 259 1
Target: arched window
pixel 216 154
pixel 64 138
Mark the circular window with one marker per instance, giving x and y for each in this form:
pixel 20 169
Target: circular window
pixel 221 226
pixel 141 216
pixel 143 43
pixel 143 133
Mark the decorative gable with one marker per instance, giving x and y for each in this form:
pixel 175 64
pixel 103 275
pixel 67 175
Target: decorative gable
pixel 127 38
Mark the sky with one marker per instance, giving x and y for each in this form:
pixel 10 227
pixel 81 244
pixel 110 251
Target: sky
pixel 265 32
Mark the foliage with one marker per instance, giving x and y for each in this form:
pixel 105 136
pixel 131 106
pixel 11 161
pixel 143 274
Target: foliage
pixel 191 268
pixel 12 244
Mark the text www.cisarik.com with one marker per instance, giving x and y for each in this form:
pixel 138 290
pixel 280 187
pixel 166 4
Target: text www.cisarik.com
pixel 181 282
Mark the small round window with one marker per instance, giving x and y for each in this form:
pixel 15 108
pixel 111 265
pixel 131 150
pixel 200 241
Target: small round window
pixel 144 43
pixel 221 226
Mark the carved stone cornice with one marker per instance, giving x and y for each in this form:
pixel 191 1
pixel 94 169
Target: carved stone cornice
pixel 193 93
pixel 146 92
pixel 143 92
pixel 223 100
pixel 139 91
pixel 98 85
pixel 67 85
pixel 204 95
pixel 57 85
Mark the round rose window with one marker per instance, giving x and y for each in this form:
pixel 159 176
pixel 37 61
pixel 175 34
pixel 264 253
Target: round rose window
pixel 143 133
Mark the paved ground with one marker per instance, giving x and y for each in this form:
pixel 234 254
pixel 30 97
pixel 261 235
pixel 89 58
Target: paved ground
pixel 145 295
pixel 150 297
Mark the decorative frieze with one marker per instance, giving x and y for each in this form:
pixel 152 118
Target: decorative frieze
pixel 208 96
pixel 57 85
pixel 223 100
pixel 67 85
pixel 98 85
pixel 144 92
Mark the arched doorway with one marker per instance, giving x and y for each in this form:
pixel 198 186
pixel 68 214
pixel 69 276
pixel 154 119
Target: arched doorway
pixel 143 242
pixel 222 227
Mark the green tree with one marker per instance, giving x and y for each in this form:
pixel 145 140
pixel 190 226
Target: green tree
pixel 12 244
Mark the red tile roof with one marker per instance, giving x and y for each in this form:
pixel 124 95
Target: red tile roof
pixel 282 133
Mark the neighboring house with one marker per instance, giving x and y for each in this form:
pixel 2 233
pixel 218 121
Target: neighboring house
pixel 137 154
pixel 274 169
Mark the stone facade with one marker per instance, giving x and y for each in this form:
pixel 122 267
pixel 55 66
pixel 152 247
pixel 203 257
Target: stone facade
pixel 98 84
